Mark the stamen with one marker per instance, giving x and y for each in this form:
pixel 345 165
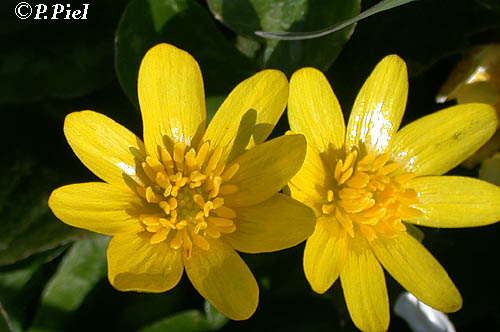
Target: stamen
pixel 151 197
pixel 380 161
pixel 338 170
pixel 166 158
pixel 349 160
pixel 186 188
pixel 155 165
pixel 179 156
pixel 228 189
pixel 345 176
pixel 225 212
pixel 214 159
pixel 387 169
pixel 230 172
pixel 222 222
pixel 160 236
pixel 359 180
pixel 367 199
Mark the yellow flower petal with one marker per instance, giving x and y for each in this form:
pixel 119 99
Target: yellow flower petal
pixel 249 113
pixel 436 143
pixel 417 271
pixel 108 149
pixel 314 111
pixel 325 254
pixel 171 96
pixel 265 169
pixel 379 106
pixel 96 206
pixel 278 223
pixel 309 184
pixel 363 283
pixel 453 201
pixel 134 264
pixel 223 278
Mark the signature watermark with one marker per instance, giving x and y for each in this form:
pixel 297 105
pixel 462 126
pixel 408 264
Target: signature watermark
pixel 58 11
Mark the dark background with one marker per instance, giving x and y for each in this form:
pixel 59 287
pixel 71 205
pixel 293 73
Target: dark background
pixel 49 68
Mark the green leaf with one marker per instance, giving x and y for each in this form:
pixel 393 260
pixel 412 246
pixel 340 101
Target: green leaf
pixel 215 319
pixel 81 268
pixel 182 23
pixel 5 323
pixel 213 104
pixel 247 16
pixel 28 226
pixel 190 321
pixel 14 297
pixel 379 7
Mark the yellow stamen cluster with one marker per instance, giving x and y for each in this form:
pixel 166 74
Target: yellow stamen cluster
pixel 186 186
pixel 369 197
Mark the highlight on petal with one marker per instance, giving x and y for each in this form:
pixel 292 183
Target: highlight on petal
pixel 136 265
pixel 417 271
pixel 454 201
pixel 278 223
pixel 314 111
pixel 223 278
pixel 172 98
pixel 98 207
pixel 309 184
pixel 436 143
pixel 363 283
pixel 266 169
pixel 249 113
pixel 379 106
pixel 105 147
pixel 325 254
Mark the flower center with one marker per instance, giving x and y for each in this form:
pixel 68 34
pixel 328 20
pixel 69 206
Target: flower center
pixel 186 187
pixel 370 196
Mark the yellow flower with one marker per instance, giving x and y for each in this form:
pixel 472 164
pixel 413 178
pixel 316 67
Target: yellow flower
pixel 188 197
pixel 476 79
pixel 365 181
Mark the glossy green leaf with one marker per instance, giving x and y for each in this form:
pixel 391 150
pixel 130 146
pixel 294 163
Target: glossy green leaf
pixel 185 24
pixel 81 268
pixel 28 226
pixel 379 7
pixel 247 16
pixel 190 321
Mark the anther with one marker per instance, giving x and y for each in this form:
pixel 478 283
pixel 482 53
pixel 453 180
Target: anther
pixel 230 172
pixel 179 156
pixel 345 176
pixel 228 189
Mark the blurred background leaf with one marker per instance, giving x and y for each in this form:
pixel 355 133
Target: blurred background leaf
pixel 187 25
pixel 245 17
pixel 28 227
pixel 80 269
pixel 190 321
